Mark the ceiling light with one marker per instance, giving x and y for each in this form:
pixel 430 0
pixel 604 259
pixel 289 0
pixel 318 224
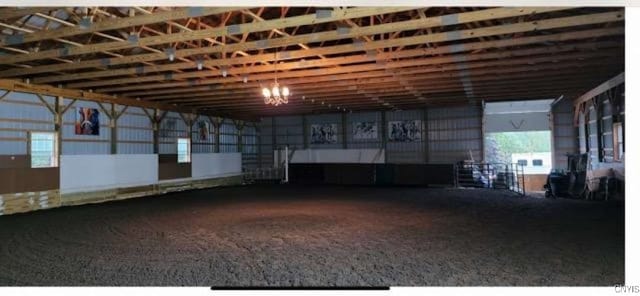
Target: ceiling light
pixel 277 95
pixel 200 63
pixel 171 53
pixel 245 78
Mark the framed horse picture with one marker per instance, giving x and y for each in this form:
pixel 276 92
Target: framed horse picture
pixel 87 121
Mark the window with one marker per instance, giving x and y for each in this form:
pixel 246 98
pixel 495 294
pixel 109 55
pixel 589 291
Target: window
pixel 43 150
pixel 536 162
pixel 184 150
pixel 522 162
pixel 618 141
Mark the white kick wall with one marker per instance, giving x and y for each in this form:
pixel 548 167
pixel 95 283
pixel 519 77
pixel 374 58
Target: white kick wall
pixel 86 173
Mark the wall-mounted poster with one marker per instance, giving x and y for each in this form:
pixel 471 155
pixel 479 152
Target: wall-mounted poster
pixel 87 121
pixel 167 126
pixel 326 133
pixel 405 131
pixel 367 130
pixel 203 130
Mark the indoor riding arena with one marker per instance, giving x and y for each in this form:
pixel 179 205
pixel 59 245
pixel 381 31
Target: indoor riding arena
pixel 312 146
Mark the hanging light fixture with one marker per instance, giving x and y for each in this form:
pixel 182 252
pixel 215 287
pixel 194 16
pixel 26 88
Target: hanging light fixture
pixel 200 63
pixel 277 95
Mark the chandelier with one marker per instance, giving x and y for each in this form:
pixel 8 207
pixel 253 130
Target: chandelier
pixel 277 95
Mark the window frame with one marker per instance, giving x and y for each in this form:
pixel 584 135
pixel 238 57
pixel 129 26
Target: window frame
pixel 55 157
pixel 618 141
pixel 533 162
pixel 522 162
pixel 188 142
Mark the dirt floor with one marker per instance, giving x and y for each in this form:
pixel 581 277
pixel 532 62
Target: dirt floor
pixel 318 236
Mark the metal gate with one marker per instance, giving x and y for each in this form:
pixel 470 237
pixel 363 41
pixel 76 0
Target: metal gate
pixel 508 176
pixel 277 174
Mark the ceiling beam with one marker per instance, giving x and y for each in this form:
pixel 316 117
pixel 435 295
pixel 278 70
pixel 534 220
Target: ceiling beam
pixel 429 86
pixel 17 12
pixel 356 68
pixel 199 34
pixel 371 83
pixel 609 84
pixel 17 86
pixel 120 23
pixel 364 58
pixel 355 32
pixel 409 99
pixel 289 55
pixel 426 86
pixel 375 75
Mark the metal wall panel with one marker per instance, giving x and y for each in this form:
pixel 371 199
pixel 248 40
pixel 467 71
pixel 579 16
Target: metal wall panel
pixel 22 112
pixel 135 132
pixel 582 133
pixel 289 131
pixel 228 136
pixel 168 144
pixel 592 135
pixel 266 142
pixel 249 147
pixel 19 114
pixel 564 133
pixel 453 132
pixel 200 145
pixel 606 130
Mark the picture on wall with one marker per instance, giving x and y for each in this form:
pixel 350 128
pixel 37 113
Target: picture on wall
pixel 405 131
pixel 366 130
pixel 204 129
pixel 167 126
pixel 326 133
pixel 87 121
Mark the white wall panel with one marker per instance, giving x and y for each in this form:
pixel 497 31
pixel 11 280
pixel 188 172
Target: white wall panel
pixel 80 173
pixel 208 165
pixel 336 156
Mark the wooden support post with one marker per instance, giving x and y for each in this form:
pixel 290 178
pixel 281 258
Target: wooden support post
pixel 344 130
pixel 383 132
pixel 155 119
pixel 273 141
pixel 259 143
pixel 57 112
pixel 114 129
pixel 239 128
pixel 597 107
pixel 58 124
pixel 111 112
pixel 425 139
pixel 482 131
pixel 156 135
pixel 216 121
pixel 5 94
pixel 189 119
pixel 305 132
